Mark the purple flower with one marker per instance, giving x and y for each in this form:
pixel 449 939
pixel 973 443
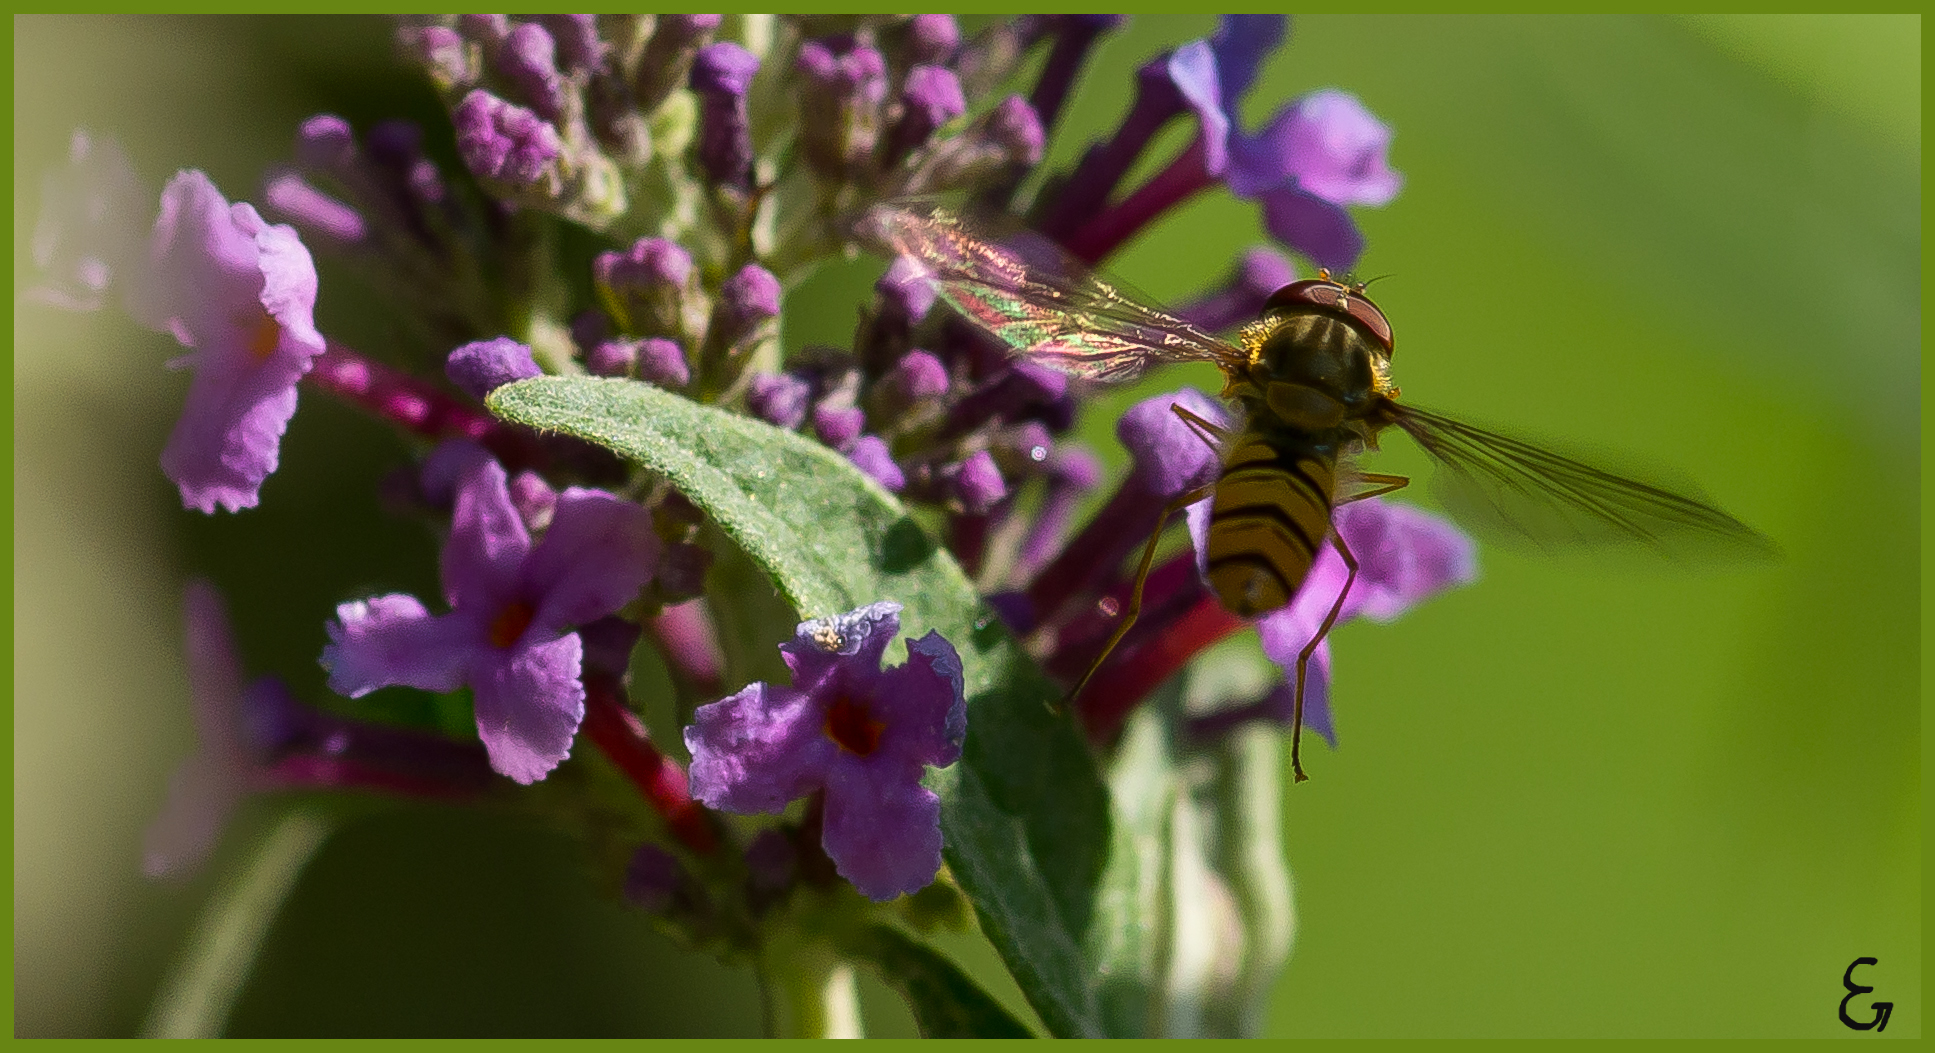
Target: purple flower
pixel 1328 144
pixel 841 96
pixel 930 97
pixel 483 366
pixel 513 607
pixel 529 60
pixel 241 295
pixel 860 733
pixel 91 224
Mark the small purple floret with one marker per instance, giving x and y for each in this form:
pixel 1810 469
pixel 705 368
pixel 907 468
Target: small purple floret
pixel 484 366
pixel 861 734
pixel 869 453
pixel 779 399
pixel 503 142
pixel 932 39
pixel 508 636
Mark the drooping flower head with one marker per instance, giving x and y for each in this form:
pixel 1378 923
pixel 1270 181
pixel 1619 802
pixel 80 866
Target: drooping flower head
pixel 508 636
pixel 860 733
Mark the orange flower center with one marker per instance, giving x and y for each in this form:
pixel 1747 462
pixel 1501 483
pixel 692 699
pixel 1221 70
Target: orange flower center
pixel 267 335
pixel 509 625
pixel 852 728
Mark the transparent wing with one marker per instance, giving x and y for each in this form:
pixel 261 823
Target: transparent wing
pixel 1515 492
pixel 1045 305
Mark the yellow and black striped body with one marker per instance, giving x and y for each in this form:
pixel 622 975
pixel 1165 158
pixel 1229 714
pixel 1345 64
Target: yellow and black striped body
pixel 1315 379
pixel 1270 514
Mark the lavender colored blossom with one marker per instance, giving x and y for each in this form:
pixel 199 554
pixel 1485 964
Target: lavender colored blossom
pixel 932 39
pixel 509 633
pixel 869 453
pixel 838 426
pixel 528 60
pixel 91 224
pixel 483 366
pixel 506 143
pixel 1328 143
pixel 977 483
pixel 841 95
pixel 930 97
pixel 779 399
pixel 861 734
pixel 451 62
pixel 241 295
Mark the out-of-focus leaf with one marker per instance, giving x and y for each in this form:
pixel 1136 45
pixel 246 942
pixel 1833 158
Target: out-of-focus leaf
pixel 1024 814
pixel 946 1002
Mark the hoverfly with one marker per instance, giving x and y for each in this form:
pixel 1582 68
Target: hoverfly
pixel 1311 382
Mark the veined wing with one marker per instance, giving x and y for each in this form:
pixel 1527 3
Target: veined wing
pixel 1516 492
pixel 1045 305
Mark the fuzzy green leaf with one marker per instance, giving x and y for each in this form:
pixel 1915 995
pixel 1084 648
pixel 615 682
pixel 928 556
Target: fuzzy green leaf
pixel 1024 814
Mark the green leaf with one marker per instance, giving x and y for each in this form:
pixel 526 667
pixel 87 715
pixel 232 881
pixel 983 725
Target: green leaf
pixel 1024 814
pixel 946 1002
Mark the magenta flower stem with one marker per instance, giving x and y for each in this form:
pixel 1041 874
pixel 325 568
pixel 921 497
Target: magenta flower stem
pixel 1124 683
pixel 395 396
pixel 622 737
pixel 1185 177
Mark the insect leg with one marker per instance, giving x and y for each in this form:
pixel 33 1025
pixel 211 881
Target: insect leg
pixel 1180 502
pixel 1211 433
pixel 1380 485
pixel 1303 656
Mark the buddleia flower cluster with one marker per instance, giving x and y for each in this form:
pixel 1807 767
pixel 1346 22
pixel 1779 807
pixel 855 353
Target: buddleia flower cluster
pixel 631 457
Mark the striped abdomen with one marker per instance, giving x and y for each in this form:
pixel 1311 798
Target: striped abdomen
pixel 1270 512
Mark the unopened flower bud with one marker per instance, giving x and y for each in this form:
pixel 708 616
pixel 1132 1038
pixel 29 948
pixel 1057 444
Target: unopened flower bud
pixel 932 39
pixel 452 63
pixel 838 426
pixel 482 367
pixel 869 453
pixel 579 49
pixel 977 483
pixel 651 289
pixel 533 498
pixel 841 97
pixel 668 57
pixel 608 644
pixel 930 98
pixel 779 398
pixel 322 220
pixel 528 62
pixel 721 74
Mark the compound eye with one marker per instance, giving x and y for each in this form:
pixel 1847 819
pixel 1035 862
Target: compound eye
pixel 1332 296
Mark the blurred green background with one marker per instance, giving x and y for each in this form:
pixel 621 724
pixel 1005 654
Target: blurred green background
pixel 1573 799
